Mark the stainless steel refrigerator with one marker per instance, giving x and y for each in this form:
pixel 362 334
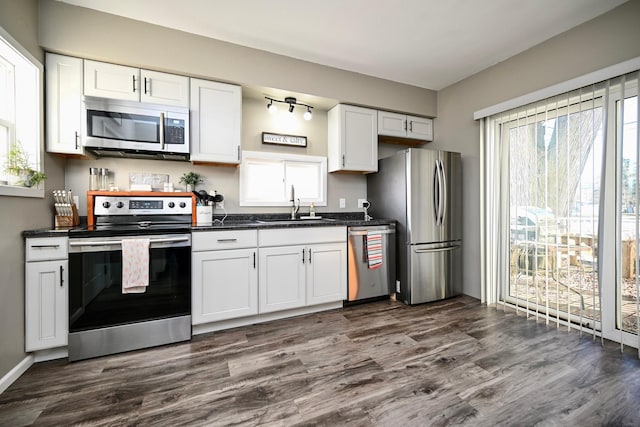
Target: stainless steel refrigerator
pixel 421 190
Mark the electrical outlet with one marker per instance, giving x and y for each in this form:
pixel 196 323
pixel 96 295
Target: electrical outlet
pixel 397 286
pixel 343 203
pixel 220 205
pixel 361 203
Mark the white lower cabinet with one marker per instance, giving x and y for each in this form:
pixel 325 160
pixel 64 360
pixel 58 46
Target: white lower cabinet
pixel 300 269
pixel 46 294
pixel 326 273
pixel 224 279
pixel 282 278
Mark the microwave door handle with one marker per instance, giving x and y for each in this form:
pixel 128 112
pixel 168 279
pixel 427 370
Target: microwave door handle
pixel 162 131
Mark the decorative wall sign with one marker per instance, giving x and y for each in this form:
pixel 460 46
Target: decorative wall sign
pixel 278 139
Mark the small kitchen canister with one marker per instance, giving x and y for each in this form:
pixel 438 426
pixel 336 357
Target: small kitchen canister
pixel 104 179
pixel 94 183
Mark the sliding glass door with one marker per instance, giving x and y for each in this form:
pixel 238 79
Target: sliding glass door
pixel 626 295
pixel 555 162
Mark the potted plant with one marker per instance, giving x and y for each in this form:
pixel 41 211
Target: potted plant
pixel 34 178
pixel 17 165
pixel 191 179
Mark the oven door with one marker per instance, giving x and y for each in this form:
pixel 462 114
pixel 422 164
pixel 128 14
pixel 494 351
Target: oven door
pixel 100 314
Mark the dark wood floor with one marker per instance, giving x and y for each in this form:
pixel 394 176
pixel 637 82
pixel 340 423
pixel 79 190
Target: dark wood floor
pixel 455 362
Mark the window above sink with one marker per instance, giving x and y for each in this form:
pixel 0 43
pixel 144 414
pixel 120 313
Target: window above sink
pixel 266 179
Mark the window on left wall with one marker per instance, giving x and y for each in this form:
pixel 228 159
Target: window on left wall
pixel 20 119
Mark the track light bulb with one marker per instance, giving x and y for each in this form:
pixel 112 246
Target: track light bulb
pixel 307 114
pixel 272 107
pixel 291 108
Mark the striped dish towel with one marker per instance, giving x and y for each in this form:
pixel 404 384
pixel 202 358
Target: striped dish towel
pixel 374 250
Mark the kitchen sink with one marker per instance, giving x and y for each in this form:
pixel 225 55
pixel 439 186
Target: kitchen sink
pixel 287 221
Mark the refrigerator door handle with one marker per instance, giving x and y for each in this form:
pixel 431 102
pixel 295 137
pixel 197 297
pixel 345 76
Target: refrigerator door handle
pixel 443 193
pixel 440 193
pixel 448 248
pixel 436 193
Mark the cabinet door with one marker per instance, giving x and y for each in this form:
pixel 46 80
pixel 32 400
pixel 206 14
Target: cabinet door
pixel 111 81
pixel 46 318
pixel 224 285
pixel 392 124
pixel 282 278
pixel 352 139
pixel 326 273
pixel 216 121
pixel 420 128
pixel 163 88
pixel 64 104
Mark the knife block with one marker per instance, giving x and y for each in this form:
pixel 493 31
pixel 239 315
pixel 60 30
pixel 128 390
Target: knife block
pixel 68 221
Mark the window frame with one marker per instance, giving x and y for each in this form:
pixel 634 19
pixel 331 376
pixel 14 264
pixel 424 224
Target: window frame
pixel 34 146
pixel 283 159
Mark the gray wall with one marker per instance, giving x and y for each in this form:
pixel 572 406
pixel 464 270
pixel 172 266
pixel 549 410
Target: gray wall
pixel 255 120
pixel 19 18
pixel 604 41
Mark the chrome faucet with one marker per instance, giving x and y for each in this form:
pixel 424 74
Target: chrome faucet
pixel 294 208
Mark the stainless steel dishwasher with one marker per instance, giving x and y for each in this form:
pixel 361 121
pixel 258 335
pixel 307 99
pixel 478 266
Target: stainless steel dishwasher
pixel 365 282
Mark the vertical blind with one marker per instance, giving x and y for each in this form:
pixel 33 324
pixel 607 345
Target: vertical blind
pixel 559 180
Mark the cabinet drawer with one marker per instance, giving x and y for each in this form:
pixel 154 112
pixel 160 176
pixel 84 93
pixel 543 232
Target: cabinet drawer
pixel 216 240
pixel 46 248
pixel 302 236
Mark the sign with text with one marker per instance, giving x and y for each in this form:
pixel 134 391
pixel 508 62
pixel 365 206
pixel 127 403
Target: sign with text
pixel 278 139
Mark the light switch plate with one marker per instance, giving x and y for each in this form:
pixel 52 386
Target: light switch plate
pixel 343 203
pixel 220 205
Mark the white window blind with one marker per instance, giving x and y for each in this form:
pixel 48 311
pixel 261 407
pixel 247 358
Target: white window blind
pixel 560 209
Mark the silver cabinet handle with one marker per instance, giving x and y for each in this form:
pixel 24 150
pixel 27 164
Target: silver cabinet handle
pixel 405 124
pixel 411 126
pixel 76 132
pixel 45 246
pixel 309 255
pixel 145 86
pixel 134 82
pixel 227 240
pixel 239 153
pixel 254 260
pixel 303 255
pixel 343 160
pixel 61 276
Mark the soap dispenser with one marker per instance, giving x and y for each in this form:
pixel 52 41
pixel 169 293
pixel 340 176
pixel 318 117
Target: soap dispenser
pixel 312 210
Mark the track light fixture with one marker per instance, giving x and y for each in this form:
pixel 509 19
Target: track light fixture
pixel 292 103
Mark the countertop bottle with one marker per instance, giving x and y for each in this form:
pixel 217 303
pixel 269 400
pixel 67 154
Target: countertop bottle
pixel 93 179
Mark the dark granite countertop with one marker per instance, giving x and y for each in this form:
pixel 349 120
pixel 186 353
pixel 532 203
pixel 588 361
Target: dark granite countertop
pixel 230 222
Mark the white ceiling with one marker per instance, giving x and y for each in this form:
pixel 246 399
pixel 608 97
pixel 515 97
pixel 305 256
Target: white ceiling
pixel 426 43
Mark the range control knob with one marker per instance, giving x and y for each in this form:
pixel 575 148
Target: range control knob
pixel 183 204
pixel 119 205
pixel 106 205
pixel 171 204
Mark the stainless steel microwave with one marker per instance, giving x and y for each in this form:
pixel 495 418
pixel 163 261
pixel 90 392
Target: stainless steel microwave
pixel 119 128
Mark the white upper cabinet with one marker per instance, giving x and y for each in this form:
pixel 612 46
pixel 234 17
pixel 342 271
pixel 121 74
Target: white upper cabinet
pixel 352 139
pixel 403 126
pixel 216 122
pixel 163 88
pixel 64 104
pixel 111 81
pixel 106 80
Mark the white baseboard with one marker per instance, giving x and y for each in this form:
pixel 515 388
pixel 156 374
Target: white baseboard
pixel 261 318
pixel 16 372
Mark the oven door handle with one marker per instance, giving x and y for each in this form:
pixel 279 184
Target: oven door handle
pixel 119 242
